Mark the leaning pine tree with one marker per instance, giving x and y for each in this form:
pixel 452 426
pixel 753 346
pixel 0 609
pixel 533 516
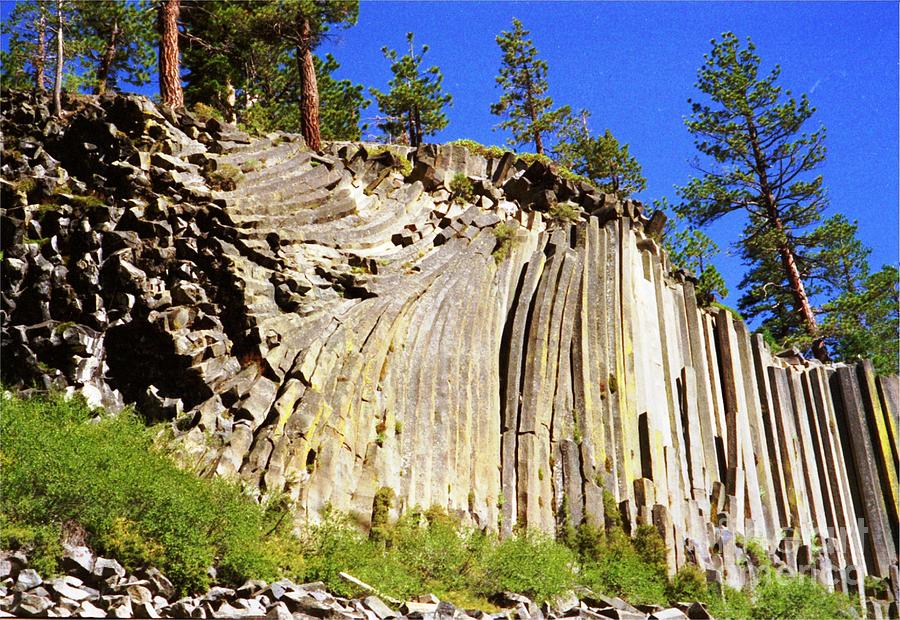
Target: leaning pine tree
pixel 525 102
pixel 760 164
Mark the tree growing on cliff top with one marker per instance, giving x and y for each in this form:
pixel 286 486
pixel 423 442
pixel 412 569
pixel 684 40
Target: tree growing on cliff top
pixel 234 65
pixel 415 103
pixel 300 25
pixel 525 102
pixel 759 163
pixel 600 159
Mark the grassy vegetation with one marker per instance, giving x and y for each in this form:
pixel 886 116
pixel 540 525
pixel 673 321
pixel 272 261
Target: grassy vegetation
pixel 565 212
pixel 205 112
pixel 737 315
pixel 404 165
pixel 505 232
pixel 225 177
pixel 63 470
pixel 70 475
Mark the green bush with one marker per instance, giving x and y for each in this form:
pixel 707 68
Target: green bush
pixel 615 567
pixel 480 149
pixel 565 212
pixel 62 465
pixel 783 597
pixel 688 584
pixel 205 112
pixel 505 233
pixel 462 189
pixel 531 564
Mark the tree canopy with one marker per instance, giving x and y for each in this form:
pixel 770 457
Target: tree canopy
pixel 759 162
pixel 525 103
pixel 414 104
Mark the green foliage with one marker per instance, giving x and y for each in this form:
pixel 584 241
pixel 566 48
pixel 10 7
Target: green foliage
pixel 783 597
pixel 505 233
pixel 688 584
pixel 599 159
pixel 134 502
pixel 205 112
pixel 566 212
pixel 692 249
pixel 462 189
pixel 525 103
pixel 611 514
pixel 225 177
pixel 650 546
pixel 41 541
pixel 532 564
pixel 762 164
pixel 381 510
pixel 480 149
pixel 415 103
pixel 105 40
pixel 250 50
pixel 117 38
pixel 612 564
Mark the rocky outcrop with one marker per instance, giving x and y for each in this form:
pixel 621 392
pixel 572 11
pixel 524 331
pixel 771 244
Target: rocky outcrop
pixel 318 324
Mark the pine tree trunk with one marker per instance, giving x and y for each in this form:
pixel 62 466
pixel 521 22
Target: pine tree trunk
pixel 169 71
pixel 309 89
pixel 785 251
pixel 107 60
pixel 40 58
pixel 411 129
pixel 57 82
pixel 418 127
pixel 532 114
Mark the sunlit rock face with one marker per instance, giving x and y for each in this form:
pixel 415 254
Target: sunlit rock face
pixel 328 324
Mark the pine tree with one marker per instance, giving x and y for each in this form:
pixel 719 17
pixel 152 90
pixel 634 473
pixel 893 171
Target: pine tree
pixel 601 159
pixel 300 25
pixel 525 102
pixel 27 31
pixel 170 90
pixel 415 103
pixel 865 324
pixel 116 38
pixel 759 163
pixel 235 65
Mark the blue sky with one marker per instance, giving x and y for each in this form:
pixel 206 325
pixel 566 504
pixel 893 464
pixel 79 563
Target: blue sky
pixel 634 65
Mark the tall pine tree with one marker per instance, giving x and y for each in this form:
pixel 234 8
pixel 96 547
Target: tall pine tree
pixel 415 103
pixel 759 163
pixel 252 78
pixel 525 102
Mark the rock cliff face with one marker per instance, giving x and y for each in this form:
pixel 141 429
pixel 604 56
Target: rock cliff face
pixel 322 325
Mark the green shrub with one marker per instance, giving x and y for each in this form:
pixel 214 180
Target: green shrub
pixel 205 112
pixel 787 597
pixel 650 546
pixel 532 564
pixel 565 212
pixel 225 177
pixel 480 149
pixel 505 233
pixel 616 568
pixel 40 541
pixel 461 188
pixel 737 315
pixel 688 584
pixel 61 465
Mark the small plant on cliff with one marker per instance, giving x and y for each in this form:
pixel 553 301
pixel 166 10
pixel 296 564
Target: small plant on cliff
pixel 225 177
pixel 461 188
pixel 505 233
pixel 565 212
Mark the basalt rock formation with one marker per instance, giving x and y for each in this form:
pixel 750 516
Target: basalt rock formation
pixel 520 352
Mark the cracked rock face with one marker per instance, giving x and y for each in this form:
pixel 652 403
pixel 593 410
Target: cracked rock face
pixel 318 324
